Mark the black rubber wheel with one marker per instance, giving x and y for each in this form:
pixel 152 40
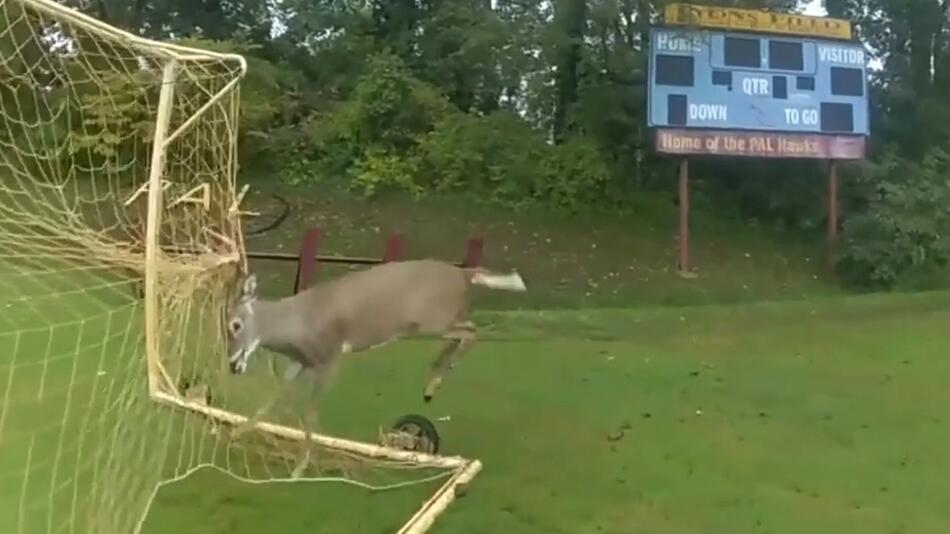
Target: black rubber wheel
pixel 270 219
pixel 426 436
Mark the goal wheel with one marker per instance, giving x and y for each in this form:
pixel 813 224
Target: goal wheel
pixel 413 432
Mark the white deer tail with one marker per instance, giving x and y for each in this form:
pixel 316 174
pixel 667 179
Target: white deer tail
pixel 508 282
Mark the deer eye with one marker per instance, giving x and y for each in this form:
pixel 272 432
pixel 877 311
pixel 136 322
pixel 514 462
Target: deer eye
pixel 235 326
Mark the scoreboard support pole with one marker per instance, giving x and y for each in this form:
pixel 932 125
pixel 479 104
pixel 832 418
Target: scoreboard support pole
pixel 684 216
pixel 832 226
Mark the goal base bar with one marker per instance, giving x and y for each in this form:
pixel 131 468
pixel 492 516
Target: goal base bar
pixel 440 501
pixel 465 469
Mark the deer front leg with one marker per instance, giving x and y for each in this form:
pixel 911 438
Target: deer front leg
pixel 293 371
pixel 460 338
pixel 290 374
pixel 293 368
pixel 321 375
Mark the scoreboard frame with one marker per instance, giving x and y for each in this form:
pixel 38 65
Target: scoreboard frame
pixel 826 91
pixel 732 18
pixel 685 140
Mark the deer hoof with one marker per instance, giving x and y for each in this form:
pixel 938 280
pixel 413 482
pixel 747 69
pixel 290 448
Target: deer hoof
pixel 431 388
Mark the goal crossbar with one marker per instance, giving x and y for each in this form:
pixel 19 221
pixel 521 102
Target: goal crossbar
pixel 173 51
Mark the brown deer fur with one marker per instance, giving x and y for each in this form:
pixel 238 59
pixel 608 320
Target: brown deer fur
pixel 359 311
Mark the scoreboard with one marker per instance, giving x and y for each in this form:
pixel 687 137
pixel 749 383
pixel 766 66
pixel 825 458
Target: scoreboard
pixel 707 79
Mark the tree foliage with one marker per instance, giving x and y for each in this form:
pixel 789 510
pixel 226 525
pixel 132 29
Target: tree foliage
pixel 523 101
pixel 898 226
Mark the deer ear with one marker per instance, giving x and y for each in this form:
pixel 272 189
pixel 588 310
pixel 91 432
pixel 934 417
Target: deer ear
pixel 249 288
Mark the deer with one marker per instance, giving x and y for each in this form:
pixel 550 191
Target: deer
pixel 356 312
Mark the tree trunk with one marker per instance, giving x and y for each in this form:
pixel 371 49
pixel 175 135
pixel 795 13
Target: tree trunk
pixel 570 20
pixel 925 23
pixel 396 21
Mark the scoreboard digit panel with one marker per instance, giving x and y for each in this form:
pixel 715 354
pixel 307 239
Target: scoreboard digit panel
pixel 739 81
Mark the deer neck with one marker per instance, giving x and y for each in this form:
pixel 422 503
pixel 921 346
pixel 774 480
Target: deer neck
pixel 277 324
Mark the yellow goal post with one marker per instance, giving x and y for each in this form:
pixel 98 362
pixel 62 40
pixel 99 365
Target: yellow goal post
pixel 120 242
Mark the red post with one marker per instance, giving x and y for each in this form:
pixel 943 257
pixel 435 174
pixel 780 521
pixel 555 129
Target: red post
pixel 684 215
pixel 832 228
pixel 473 252
pixel 307 259
pixel 394 248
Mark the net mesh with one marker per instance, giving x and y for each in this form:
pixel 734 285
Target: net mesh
pixel 83 444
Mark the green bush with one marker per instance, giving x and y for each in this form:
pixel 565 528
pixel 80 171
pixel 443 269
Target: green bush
pixel 493 158
pixel 386 113
pixel 500 159
pixel 269 94
pixel 900 222
pixel 574 174
pixel 396 132
pixel 268 88
pixel 379 169
pixel 791 194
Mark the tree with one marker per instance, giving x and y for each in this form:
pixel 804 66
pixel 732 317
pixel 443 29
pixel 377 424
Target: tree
pixel 570 21
pixel 212 19
pixel 384 91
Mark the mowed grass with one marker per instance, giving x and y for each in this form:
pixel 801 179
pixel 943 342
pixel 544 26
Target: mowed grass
pixel 591 259
pixel 807 417
pixel 69 389
pixel 816 415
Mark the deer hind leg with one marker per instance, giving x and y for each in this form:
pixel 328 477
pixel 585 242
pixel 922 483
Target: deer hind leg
pixel 460 338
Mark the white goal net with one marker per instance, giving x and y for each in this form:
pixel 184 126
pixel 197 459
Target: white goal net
pixel 120 239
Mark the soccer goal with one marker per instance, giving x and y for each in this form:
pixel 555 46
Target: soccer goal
pixel 120 240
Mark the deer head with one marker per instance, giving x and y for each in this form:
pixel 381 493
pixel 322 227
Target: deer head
pixel 243 338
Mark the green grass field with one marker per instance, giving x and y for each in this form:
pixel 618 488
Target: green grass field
pixel 620 401
pixel 790 418
pixel 815 416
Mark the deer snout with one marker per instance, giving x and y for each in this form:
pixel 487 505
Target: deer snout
pixel 239 358
pixel 237 363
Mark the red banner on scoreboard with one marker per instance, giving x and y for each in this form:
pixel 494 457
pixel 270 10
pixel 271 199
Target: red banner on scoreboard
pixel 759 144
